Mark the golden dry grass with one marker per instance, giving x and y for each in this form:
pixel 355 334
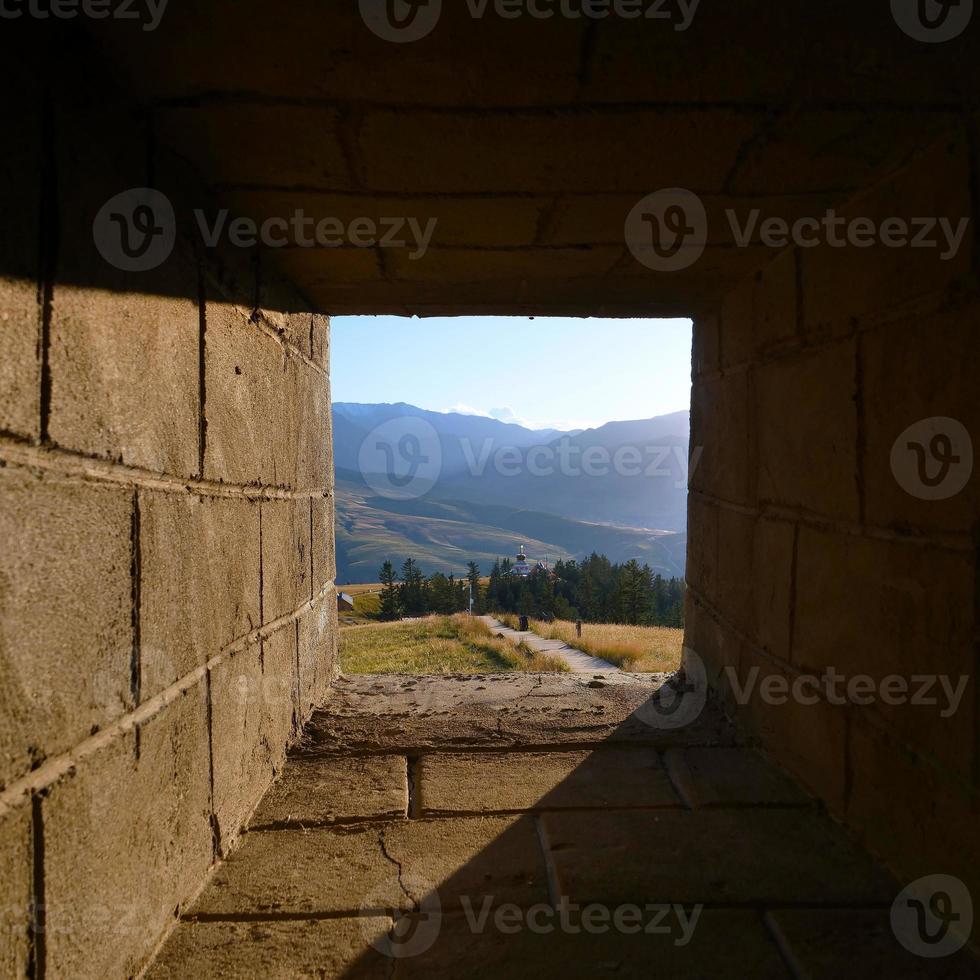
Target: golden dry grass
pixel 436 645
pixel 642 649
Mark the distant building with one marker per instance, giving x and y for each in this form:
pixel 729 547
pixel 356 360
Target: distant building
pixel 524 568
pixel 345 602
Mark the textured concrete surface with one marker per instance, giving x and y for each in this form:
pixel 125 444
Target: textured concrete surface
pixel 694 861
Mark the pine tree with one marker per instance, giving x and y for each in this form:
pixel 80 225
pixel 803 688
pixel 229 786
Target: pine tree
pixel 389 592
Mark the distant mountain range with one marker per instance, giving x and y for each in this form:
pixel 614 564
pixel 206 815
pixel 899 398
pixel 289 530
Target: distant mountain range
pixel 620 489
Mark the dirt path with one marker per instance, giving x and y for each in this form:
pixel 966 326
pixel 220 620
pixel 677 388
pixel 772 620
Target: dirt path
pixel 576 659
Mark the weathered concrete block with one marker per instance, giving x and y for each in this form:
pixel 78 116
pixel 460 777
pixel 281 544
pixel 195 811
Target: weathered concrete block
pixel 807 455
pixel 16 871
pixel 721 776
pixel 705 340
pixel 286 566
pixel 321 341
pixel 251 403
pixel 711 856
pixel 202 132
pixel 723 409
pixel 279 690
pixel 736 573
pixel 313 449
pixel 246 756
pixel 881 281
pixel 127 840
pixel 820 940
pixel 809 740
pixel 319 791
pixel 124 373
pixel 199 587
pixel 325 947
pixel 481 783
pixel 902 358
pixel 772 585
pixel 914 618
pixel 760 312
pixel 20 309
pixel 701 570
pixel 324 542
pixel 318 660
pixel 66 634
pixel 910 812
pixel 20 367
pixel 617 147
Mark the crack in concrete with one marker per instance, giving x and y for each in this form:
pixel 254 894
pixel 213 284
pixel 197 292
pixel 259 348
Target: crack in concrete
pixel 398 865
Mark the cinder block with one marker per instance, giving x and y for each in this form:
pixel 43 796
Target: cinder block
pixel 913 617
pixel 324 542
pixel 246 756
pixel 722 406
pixel 844 286
pixel 705 351
pixel 124 372
pixel 66 632
pixel 199 587
pixel 906 380
pixel 575 150
pixel 772 578
pixel 321 341
pixel 806 423
pixel 286 565
pixel 809 740
pixel 702 547
pixel 20 366
pixel 760 312
pixel 252 404
pixel 16 870
pixel 736 573
pixel 127 841
pixel 20 311
pixel 313 450
pixel 280 689
pixel 318 662
pixel 203 133
pixel 912 814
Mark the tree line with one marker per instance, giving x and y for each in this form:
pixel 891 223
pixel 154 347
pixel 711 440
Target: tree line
pixel 595 590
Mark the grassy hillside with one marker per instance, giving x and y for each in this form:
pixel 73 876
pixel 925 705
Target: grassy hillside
pixel 444 535
pixel 436 645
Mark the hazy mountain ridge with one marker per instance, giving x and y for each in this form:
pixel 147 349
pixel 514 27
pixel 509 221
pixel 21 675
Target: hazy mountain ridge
pixel 485 515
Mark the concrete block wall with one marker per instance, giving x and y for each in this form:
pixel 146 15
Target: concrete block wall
pixel 806 552
pixel 167 608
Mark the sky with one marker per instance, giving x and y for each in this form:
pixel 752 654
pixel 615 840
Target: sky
pixel 541 372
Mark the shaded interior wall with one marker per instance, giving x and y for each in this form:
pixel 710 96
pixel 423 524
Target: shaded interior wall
pixel 805 552
pixel 167 611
